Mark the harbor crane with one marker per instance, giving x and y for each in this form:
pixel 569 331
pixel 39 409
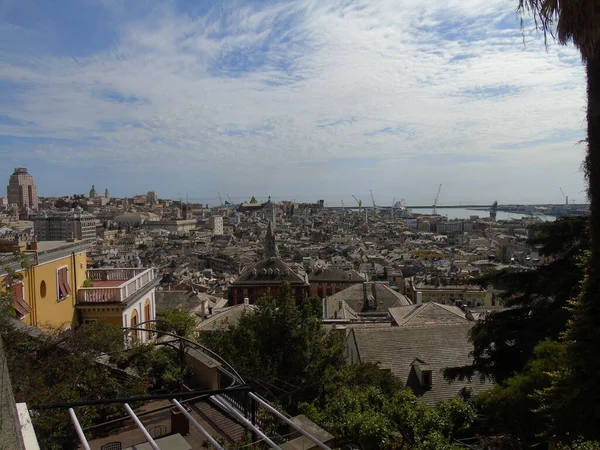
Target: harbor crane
pixel 358 201
pixel 229 199
pixel 436 199
pixel 373 200
pixel 220 199
pixel 393 205
pixel 343 204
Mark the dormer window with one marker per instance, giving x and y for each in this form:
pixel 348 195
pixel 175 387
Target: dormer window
pixel 423 374
pixel 427 378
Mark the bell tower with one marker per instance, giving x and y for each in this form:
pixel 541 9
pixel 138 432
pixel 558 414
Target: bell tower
pixel 270 250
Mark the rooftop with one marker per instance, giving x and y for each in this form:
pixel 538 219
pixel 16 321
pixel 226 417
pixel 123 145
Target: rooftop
pixel 430 313
pixel 370 298
pixel 116 285
pixel 272 270
pixel 396 348
pixel 47 251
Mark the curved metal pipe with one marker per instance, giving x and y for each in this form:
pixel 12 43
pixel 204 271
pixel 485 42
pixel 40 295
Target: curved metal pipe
pixel 206 349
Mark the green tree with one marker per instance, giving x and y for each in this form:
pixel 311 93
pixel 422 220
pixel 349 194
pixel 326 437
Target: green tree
pixel 63 367
pixel 279 348
pixel 514 407
pixel 7 282
pixel 578 388
pixel 177 321
pixel 158 366
pixel 580 444
pixel 312 307
pixel 369 408
pixel 504 342
pixel 181 323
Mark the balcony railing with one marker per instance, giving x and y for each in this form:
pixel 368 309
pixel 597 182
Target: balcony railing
pixel 125 283
pixel 114 274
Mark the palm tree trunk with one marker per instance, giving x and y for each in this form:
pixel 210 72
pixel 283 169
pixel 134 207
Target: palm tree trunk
pixel 592 165
pixel 583 335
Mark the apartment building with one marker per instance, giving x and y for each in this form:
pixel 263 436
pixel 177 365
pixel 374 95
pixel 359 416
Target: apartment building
pixel 22 191
pixel 65 226
pixel 449 291
pixel 215 223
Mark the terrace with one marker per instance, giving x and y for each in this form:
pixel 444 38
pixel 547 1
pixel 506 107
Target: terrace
pixel 116 285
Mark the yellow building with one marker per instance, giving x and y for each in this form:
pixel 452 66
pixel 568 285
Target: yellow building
pixel 58 291
pixel 46 291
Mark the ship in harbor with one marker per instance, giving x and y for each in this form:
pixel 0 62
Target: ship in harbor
pixel 399 209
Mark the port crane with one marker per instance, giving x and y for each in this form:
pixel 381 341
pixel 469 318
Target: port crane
pixel 373 200
pixel 436 199
pixel 393 205
pixel 358 201
pixel 220 199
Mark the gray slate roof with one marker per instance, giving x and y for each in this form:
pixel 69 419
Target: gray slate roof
pixel 186 300
pixel 223 319
pixel 439 346
pixel 338 309
pixel 380 295
pixel 269 271
pixel 335 275
pixel 428 314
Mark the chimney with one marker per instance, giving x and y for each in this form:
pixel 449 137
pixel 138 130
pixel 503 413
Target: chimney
pixel 246 301
pixel 419 298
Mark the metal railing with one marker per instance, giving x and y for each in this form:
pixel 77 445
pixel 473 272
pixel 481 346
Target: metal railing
pixel 132 281
pixel 116 274
pixel 99 295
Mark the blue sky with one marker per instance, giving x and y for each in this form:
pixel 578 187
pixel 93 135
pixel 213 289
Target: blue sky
pixel 299 99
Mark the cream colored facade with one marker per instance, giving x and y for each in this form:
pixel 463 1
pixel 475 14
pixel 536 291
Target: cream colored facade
pixel 124 297
pixel 469 295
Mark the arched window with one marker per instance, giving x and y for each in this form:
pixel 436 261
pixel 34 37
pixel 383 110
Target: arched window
pixel 147 314
pixel 133 323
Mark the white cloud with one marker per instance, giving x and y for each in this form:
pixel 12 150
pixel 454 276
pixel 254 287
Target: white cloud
pixel 403 83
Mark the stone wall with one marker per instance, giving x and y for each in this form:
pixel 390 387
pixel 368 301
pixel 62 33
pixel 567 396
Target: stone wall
pixel 10 431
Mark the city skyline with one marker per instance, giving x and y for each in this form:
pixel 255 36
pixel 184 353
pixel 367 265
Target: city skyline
pixel 347 199
pixel 291 99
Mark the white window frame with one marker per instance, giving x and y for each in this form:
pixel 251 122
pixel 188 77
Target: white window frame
pixel 58 269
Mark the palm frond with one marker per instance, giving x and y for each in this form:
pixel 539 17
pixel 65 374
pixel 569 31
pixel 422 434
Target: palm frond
pixel 567 21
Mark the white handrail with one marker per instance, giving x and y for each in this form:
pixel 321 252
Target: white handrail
pixel 289 422
pixel 199 427
pixel 140 425
pixel 224 404
pixel 77 426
